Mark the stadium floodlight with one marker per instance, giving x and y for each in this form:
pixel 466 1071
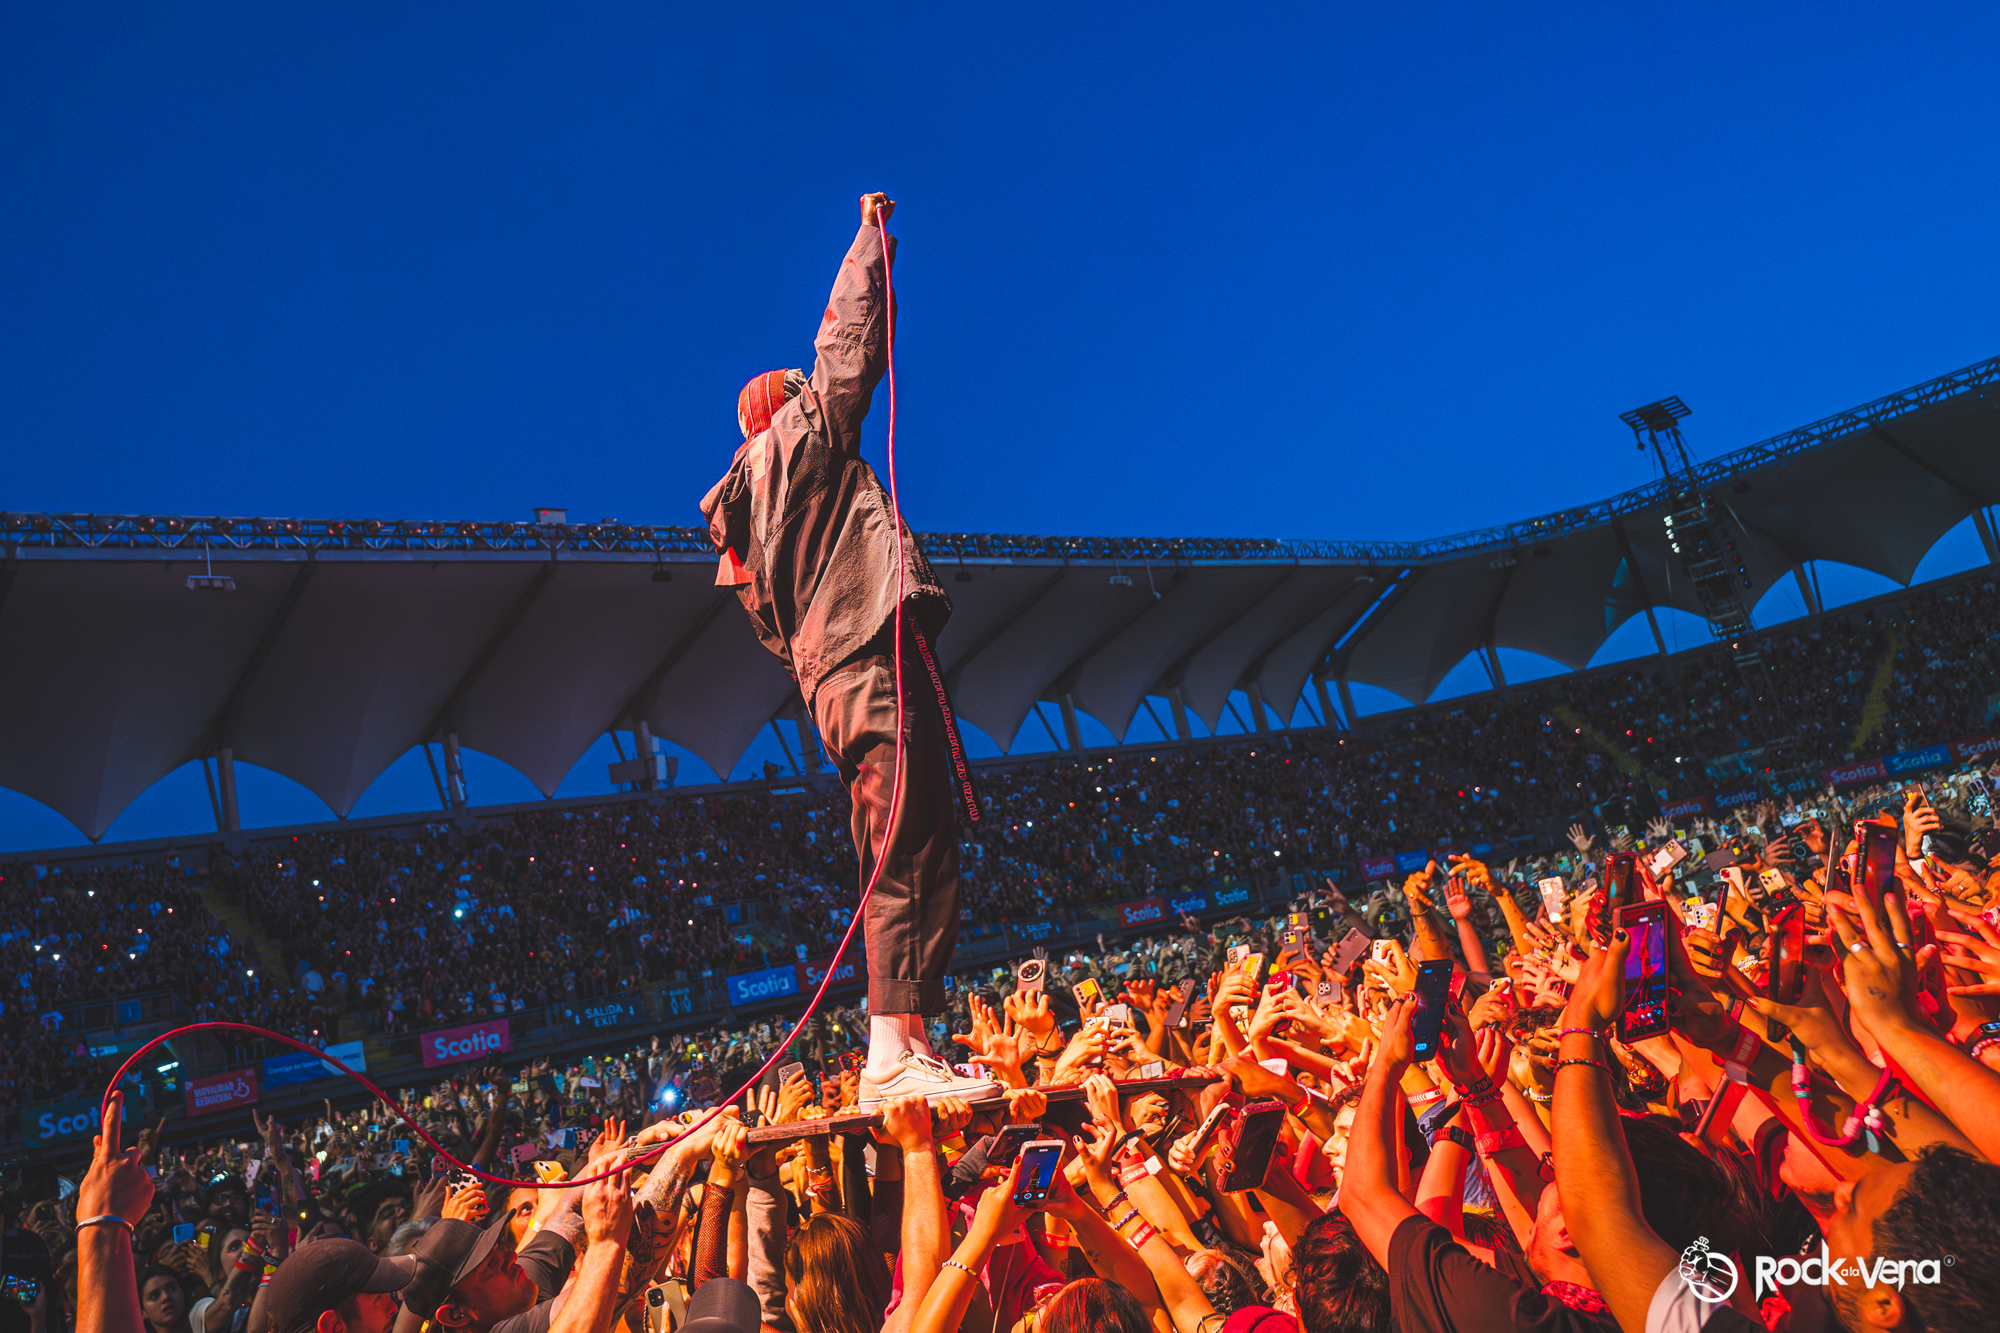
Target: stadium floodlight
pixel 210 581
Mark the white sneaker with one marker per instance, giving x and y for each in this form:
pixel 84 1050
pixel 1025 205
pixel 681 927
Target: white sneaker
pixel 915 1074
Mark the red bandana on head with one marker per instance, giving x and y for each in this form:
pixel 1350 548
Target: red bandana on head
pixel 760 400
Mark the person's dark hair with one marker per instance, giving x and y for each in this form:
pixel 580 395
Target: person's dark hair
pixel 1338 1285
pixel 1092 1305
pixel 1347 1096
pixel 151 1271
pixel 840 1282
pixel 1228 1280
pixel 1684 1193
pixel 1951 1206
pixel 1528 1022
pixel 218 1236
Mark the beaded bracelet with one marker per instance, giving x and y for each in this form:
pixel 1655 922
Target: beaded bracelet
pixel 1119 1225
pixel 953 1263
pixel 1569 1032
pixel 1538 1096
pixel 1594 1064
pixel 1980 1045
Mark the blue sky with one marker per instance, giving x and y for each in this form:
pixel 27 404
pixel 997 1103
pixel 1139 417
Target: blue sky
pixel 1342 271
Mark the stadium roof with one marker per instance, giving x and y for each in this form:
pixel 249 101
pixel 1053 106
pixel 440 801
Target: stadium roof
pixel 347 642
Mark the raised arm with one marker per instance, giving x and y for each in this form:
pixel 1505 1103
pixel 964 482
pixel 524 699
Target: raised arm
pixel 853 339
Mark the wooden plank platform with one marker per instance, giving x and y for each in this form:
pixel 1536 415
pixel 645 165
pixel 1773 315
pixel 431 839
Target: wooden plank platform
pixel 860 1122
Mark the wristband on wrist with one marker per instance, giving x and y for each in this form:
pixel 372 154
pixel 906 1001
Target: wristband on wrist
pixel 1499 1140
pixel 105 1219
pixel 1424 1098
pixel 1463 1138
pixel 1142 1235
pixel 1736 1064
pixel 1578 1031
pixel 1593 1064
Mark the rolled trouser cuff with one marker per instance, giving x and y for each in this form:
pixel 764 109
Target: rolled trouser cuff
pixel 895 995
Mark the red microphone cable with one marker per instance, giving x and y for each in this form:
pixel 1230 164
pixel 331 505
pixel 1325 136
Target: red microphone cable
pixel 833 969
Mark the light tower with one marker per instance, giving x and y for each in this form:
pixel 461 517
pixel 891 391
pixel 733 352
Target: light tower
pixel 1701 535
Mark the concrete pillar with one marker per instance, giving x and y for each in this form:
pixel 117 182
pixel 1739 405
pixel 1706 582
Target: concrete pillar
pixel 1984 522
pixel 808 743
pixel 1346 701
pixel 642 738
pixel 225 779
pixel 1332 718
pixel 1071 730
pixel 1256 693
pixel 1807 593
pixel 1659 640
pixel 454 772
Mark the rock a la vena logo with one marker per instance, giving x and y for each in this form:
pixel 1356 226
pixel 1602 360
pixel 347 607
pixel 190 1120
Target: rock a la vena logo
pixel 1711 1277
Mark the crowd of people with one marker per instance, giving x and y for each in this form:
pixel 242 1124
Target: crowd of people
pixel 1861 1025
pixel 1485 1098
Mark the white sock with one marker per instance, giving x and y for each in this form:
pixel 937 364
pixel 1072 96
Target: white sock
pixel 889 1035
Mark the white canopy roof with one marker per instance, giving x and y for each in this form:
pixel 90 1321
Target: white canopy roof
pixel 347 642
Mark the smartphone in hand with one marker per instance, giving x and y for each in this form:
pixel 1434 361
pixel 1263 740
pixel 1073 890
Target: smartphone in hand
pixel 1351 949
pixel 1645 1012
pixel 1256 1137
pixel 1039 1160
pixel 1007 1144
pixel 1433 994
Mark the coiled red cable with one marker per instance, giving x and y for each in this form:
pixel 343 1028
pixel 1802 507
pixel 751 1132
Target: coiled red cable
pixel 833 969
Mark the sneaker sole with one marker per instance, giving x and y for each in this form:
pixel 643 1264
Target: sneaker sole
pixel 968 1094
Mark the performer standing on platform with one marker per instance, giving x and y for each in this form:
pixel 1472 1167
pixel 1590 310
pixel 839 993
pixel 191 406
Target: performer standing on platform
pixel 809 541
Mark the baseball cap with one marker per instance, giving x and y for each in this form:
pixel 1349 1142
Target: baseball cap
pixel 325 1273
pixel 444 1256
pixel 723 1305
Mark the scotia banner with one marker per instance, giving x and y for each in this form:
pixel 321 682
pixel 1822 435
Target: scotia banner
pixel 853 971
pixel 466 1045
pixel 1915 761
pixel 1145 912
pixel 1976 747
pixel 1377 867
pixel 1729 800
pixel 1693 805
pixel 1232 897
pixel 773 983
pixel 220 1092
pixel 1855 773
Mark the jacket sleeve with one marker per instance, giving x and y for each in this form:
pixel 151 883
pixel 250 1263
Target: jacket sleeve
pixel 853 341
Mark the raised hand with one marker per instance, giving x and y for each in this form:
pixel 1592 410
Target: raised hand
pixel 467 1203
pixel 117 1183
pixel 876 209
pixel 607 1208
pixel 1580 840
pixel 1416 886
pixel 1101 1095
